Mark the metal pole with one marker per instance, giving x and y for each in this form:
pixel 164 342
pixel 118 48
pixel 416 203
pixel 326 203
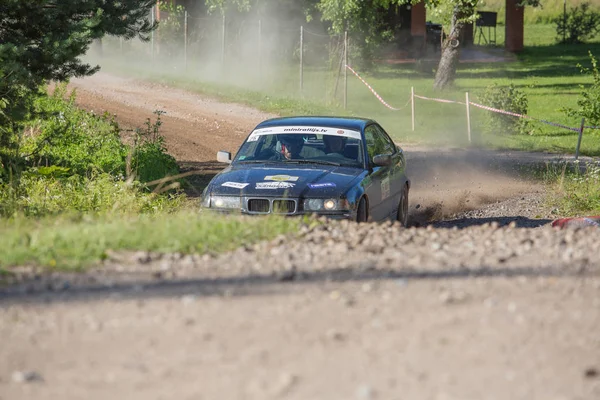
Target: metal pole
pixel 412 106
pixel 468 117
pixel 152 34
pixel 345 69
pixel 259 49
pixel 579 138
pixel 223 43
pixel 301 59
pixel 185 40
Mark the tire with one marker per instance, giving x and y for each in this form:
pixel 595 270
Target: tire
pixel 402 215
pixel 362 212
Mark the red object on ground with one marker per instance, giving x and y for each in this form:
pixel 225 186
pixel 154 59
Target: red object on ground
pixel 577 221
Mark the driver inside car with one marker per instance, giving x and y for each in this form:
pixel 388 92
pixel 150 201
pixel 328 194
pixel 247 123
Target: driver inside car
pixel 334 145
pixel 293 148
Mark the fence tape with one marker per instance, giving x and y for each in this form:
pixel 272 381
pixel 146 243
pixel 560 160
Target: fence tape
pixel 440 100
pixel 374 92
pixel 470 102
pixel 523 116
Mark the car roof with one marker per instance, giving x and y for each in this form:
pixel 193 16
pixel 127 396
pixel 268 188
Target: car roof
pixel 352 123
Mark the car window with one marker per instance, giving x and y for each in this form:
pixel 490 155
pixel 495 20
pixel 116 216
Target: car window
pixel 378 142
pixel 387 144
pixel 342 149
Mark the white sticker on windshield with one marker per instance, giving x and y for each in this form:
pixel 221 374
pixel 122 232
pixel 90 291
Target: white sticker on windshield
pixel 237 185
pixel 281 178
pixel 274 185
pixel 385 188
pixel 303 130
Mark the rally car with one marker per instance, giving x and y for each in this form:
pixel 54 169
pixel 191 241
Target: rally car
pixel 347 168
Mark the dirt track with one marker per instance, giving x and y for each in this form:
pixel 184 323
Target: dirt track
pixel 471 312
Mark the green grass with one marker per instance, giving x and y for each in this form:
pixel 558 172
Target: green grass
pixel 77 242
pixel 533 15
pixel 574 193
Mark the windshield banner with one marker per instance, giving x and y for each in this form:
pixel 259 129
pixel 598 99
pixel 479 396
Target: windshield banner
pixel 303 130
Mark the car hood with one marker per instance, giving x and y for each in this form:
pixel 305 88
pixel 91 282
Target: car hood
pixel 290 181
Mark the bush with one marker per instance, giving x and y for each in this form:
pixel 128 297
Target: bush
pixel 73 161
pixel 579 25
pixel 150 159
pixel 589 103
pixel 507 98
pixel 63 135
pixel 41 192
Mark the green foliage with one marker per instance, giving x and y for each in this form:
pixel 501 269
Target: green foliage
pixel 63 135
pixel 47 191
pixel 589 102
pixel 170 28
pixel 578 25
pixel 74 161
pixel 507 98
pixel 150 159
pixel 575 193
pixel 43 40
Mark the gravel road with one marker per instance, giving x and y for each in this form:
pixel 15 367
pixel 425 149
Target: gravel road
pixel 479 299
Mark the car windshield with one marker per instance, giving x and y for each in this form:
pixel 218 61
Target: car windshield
pixel 328 147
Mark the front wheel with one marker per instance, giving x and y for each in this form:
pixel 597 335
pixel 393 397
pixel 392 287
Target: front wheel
pixel 361 213
pixel 402 215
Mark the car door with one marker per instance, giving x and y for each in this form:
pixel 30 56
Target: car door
pixel 397 171
pixel 378 188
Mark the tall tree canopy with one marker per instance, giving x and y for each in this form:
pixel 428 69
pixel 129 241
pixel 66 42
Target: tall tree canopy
pixel 43 40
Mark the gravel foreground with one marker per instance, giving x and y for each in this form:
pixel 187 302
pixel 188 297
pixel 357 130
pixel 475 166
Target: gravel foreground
pixel 373 311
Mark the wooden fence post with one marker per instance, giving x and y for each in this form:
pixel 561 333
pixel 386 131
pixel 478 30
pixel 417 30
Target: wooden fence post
pixel 185 40
pixel 412 107
pixel 301 58
pixel 468 116
pixel 579 138
pixel 345 69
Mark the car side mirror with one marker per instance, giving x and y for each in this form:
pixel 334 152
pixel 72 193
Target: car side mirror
pixel 382 160
pixel 224 157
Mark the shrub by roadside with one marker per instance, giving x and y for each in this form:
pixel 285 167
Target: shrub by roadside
pixel 74 161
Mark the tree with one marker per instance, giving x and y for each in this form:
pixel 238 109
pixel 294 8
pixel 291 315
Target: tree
pixel 43 39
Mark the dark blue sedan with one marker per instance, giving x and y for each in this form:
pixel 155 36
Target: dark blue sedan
pixel 339 167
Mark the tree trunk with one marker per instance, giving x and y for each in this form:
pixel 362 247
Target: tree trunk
pixel 446 72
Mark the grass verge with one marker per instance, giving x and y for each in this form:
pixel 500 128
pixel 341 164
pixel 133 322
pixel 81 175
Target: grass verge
pixel 74 243
pixel 574 193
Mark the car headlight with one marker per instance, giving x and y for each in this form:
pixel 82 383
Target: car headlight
pixel 326 204
pixel 225 202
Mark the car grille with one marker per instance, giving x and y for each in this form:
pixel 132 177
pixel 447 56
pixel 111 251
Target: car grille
pixel 284 206
pixel 259 206
pixel 276 206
